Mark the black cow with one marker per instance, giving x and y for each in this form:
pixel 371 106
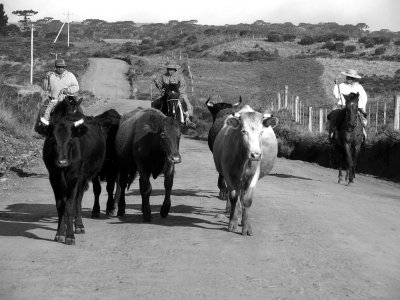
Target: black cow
pixel 221 108
pixel 73 152
pixel 109 122
pixel 147 143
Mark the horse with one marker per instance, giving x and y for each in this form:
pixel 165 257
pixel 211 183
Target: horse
pixel 171 105
pixel 349 137
pixel 69 106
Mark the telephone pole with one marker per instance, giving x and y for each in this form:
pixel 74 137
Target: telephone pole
pixel 68 14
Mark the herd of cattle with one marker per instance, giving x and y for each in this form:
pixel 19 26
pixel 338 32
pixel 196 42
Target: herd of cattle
pixel 78 149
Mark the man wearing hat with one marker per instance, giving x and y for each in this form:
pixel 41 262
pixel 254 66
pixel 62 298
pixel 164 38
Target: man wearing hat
pixel 173 76
pixel 58 85
pixel 351 85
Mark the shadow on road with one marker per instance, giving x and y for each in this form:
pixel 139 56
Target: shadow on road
pixel 23 174
pixel 289 176
pixel 176 192
pixel 19 219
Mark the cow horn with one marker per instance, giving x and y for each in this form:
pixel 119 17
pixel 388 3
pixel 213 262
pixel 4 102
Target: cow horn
pixel 211 104
pixel 267 115
pixel 79 122
pixel 236 115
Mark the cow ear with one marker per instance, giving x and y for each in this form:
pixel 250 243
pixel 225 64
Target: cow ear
pixel 233 121
pixel 271 121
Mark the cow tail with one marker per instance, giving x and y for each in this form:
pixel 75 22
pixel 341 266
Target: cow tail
pixel 131 178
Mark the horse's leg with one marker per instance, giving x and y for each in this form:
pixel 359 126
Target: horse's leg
pixel 339 162
pixel 357 149
pixel 349 159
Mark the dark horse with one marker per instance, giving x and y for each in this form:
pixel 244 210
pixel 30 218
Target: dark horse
pixel 348 136
pixel 171 105
pixel 69 106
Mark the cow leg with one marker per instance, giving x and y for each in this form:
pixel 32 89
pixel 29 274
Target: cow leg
pixel 145 191
pixel 123 182
pixel 96 192
pixel 247 199
pixel 111 201
pixel 168 182
pixel 70 208
pixel 59 194
pixel 223 191
pixel 79 228
pixel 233 219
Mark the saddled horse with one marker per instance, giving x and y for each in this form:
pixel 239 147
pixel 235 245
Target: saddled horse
pixel 69 106
pixel 348 137
pixel 171 105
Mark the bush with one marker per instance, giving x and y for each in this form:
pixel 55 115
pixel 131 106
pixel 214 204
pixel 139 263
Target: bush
pixel 339 47
pixel 380 51
pixel 307 40
pixel 289 37
pixel 349 48
pixel 397 42
pixel 341 37
pixel 274 37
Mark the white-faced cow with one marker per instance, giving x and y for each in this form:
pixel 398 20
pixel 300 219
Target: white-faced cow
pixel 244 150
pixel 147 143
pixel 73 152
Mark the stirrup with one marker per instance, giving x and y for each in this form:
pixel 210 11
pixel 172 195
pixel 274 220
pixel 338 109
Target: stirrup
pixel 44 121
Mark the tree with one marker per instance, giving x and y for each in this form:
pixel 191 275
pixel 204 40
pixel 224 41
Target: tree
pixel 26 14
pixel 361 28
pixel 3 19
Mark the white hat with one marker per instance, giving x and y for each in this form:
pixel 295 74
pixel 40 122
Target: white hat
pixel 172 65
pixel 351 73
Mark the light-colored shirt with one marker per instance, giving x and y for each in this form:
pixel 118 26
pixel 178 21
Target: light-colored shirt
pixel 57 82
pixel 346 89
pixel 164 80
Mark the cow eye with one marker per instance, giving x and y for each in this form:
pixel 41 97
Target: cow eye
pixel 162 135
pixel 244 131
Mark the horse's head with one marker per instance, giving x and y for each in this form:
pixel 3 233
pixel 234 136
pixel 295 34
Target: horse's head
pixel 172 96
pixel 69 106
pixel 351 109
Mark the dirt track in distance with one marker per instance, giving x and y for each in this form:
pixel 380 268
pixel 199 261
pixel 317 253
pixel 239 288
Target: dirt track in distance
pixel 313 238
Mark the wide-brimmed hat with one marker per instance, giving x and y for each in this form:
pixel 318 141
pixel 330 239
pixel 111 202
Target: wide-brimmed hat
pixel 60 63
pixel 172 65
pixel 351 73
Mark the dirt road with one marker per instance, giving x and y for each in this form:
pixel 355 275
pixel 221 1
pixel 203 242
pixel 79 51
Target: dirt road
pixel 313 239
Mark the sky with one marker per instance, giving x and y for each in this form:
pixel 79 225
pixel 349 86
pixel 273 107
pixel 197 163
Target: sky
pixel 377 14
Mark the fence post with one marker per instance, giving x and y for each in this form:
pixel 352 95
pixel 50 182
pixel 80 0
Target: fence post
pixel 376 115
pixel 384 114
pixel 321 120
pixel 310 115
pixel 296 109
pixel 396 111
pixel 151 91
pixel 286 96
pixel 279 100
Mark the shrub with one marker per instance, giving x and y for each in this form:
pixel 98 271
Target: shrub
pixel 289 37
pixel 349 48
pixel 341 37
pixel 380 50
pixel 307 40
pixel 397 42
pixel 339 47
pixel 275 37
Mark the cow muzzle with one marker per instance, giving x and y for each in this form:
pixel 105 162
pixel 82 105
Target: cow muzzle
pixel 63 163
pixel 255 156
pixel 175 159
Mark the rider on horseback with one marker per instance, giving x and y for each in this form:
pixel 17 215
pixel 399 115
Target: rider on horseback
pixel 58 84
pixel 162 83
pixel 351 85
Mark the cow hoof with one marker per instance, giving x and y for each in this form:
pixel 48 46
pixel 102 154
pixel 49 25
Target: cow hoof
pixel 121 213
pixel 111 213
pixel 70 241
pixel 95 215
pixel 232 227
pixel 247 231
pixel 60 238
pixel 80 230
pixel 164 211
pixel 223 195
